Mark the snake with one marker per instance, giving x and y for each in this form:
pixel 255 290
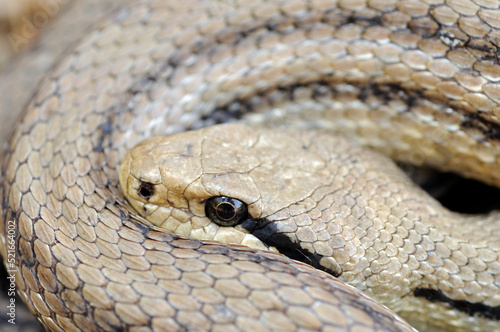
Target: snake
pixel 414 80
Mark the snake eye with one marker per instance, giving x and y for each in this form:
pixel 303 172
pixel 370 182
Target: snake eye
pixel 225 211
pixel 146 190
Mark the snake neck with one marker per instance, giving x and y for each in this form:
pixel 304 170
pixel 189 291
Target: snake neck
pixel 373 228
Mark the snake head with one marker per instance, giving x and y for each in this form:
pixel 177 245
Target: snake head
pixel 170 180
pixel 195 183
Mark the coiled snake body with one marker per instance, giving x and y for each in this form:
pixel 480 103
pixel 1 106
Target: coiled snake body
pixel 413 79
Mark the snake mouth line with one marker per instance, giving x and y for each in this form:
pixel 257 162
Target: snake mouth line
pixel 268 233
pixel 467 307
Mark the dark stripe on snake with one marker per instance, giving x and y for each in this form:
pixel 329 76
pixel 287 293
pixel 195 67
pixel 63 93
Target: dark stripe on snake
pixel 328 88
pixel 374 94
pixel 105 131
pixel 478 309
pixel 267 232
pixel 479 121
pixel 483 49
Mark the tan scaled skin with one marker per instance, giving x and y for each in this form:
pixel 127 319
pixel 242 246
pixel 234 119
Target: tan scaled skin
pixel 61 24
pixel 372 227
pixel 406 77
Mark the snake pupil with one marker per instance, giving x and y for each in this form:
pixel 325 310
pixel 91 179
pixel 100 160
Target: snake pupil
pixel 226 211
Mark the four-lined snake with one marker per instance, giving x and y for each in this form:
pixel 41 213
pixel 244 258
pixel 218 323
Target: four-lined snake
pixel 416 80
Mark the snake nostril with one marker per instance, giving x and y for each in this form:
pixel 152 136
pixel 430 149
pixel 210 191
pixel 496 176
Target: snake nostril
pixel 146 190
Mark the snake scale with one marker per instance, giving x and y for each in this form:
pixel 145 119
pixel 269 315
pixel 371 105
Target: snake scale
pixel 415 80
